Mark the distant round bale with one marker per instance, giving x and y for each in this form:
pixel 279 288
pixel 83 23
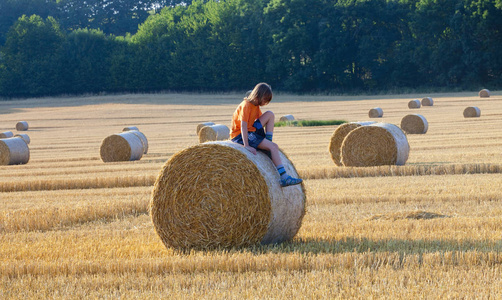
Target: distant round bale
pixel 337 139
pixel 287 118
pixel 6 134
pixel 484 93
pixel 219 195
pixel 14 151
pixel 25 137
pixel 414 124
pixel 124 146
pixel 248 93
pixel 472 112
pixel 200 125
pixel 216 132
pixel 22 126
pixel 128 128
pixel 375 145
pixel 144 140
pixel 375 112
pixel 427 101
pixel 414 104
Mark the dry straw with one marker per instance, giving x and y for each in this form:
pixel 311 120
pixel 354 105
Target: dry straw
pixel 375 112
pixel 414 124
pixel 472 112
pixel 129 128
pixel 216 132
pixel 142 137
pixel 6 134
pixel 287 118
pixel 414 104
pixel 337 138
pixel 375 145
pixel 22 126
pixel 122 146
pixel 14 151
pixel 220 195
pixel 427 101
pixel 25 137
pixel 484 93
pixel 201 125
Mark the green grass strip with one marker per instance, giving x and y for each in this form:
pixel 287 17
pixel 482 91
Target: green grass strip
pixel 301 123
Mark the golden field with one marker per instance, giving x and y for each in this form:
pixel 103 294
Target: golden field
pixel 73 227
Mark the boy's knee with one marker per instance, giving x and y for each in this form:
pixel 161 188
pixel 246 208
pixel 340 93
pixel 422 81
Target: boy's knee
pixel 270 114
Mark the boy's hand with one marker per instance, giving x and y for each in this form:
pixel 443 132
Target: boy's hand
pixel 251 149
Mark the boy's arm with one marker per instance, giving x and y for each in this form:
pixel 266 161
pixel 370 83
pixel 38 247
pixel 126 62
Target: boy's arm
pixel 245 140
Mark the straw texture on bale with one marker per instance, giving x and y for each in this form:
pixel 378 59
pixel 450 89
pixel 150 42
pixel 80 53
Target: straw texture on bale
pixel 128 128
pixel 375 145
pixel 14 151
pixel 286 118
pixel 414 104
pixel 484 93
pixel 216 132
pixel 414 124
pixel 220 195
pixel 6 134
pixel 337 138
pixel 22 126
pixel 200 125
pixel 375 112
pixel 427 101
pixel 24 136
pixel 144 140
pixel 122 146
pixel 472 112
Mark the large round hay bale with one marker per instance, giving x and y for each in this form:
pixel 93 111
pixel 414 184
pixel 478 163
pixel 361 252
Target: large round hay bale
pixel 472 112
pixel 122 146
pixel 6 134
pixel 216 132
pixel 287 118
pixel 375 112
pixel 484 93
pixel 144 140
pixel 414 104
pixel 22 126
pixel 337 138
pixel 427 101
pixel 14 151
pixel 25 137
pixel 220 195
pixel 414 124
pixel 129 128
pixel 200 125
pixel 375 145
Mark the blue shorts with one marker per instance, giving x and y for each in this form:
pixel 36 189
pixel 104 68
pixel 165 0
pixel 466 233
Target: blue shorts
pixel 254 137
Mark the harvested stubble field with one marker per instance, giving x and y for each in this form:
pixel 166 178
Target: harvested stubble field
pixel 74 227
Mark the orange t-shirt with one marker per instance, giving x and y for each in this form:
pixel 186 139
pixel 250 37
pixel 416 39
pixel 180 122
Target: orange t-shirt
pixel 247 112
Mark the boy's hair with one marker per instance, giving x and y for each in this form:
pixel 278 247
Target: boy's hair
pixel 261 94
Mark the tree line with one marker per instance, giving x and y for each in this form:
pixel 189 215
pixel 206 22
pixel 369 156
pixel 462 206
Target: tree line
pixel 301 46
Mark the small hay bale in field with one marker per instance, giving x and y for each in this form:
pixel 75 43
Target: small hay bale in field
pixel 248 93
pixel 22 126
pixel 414 104
pixel 25 137
pixel 129 128
pixel 6 134
pixel 14 151
pixel 414 124
pixel 337 138
pixel 144 140
pixel 200 125
pixel 427 101
pixel 216 132
pixel 375 112
pixel 414 215
pixel 219 195
pixel 375 145
pixel 472 112
pixel 287 118
pixel 484 93
pixel 124 146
